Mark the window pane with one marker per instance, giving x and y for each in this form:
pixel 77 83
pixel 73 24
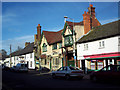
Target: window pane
pixel 60 45
pixel 119 41
pixel 44 47
pixel 71 40
pixel 99 44
pixel 103 43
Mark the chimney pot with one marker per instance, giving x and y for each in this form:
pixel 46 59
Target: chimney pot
pixel 91 5
pixel 84 12
pixel 38 24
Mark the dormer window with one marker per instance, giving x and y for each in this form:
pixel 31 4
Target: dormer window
pixel 44 47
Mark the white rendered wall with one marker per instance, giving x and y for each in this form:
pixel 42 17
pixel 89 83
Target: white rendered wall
pixel 30 59
pixel 111 45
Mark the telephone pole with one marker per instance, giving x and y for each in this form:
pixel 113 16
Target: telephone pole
pixel 10 56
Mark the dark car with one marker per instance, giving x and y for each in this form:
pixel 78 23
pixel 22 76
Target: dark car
pixel 108 73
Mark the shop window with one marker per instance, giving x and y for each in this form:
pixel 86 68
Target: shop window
pixel 92 65
pixel 100 65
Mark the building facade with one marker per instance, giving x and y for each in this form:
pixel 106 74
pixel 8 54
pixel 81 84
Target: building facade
pixel 25 55
pixel 100 47
pixel 55 49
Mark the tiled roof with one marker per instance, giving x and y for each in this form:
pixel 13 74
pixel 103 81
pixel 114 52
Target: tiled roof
pixel 100 32
pixel 26 50
pixel 75 23
pixel 70 24
pixel 53 37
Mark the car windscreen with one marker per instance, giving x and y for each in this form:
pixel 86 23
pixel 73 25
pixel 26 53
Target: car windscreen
pixel 72 68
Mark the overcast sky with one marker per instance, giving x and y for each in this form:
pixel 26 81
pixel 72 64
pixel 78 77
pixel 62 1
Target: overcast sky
pixel 20 19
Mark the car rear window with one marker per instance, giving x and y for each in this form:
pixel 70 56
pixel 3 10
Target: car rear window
pixel 23 65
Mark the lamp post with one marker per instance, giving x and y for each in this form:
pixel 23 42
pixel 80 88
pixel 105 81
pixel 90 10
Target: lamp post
pixel 73 38
pixel 39 65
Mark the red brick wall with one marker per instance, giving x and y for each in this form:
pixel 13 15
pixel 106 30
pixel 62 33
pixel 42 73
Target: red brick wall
pixel 89 23
pixel 38 31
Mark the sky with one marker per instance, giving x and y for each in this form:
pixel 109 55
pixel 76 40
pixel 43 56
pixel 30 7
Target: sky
pixel 20 19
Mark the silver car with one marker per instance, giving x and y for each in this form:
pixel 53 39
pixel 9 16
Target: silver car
pixel 68 72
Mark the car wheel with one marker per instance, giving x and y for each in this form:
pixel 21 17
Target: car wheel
pixel 53 76
pixel 67 77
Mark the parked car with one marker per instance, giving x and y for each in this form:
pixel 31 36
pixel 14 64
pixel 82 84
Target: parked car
pixel 13 68
pixel 20 67
pixel 108 73
pixel 5 67
pixel 68 72
pixel 44 69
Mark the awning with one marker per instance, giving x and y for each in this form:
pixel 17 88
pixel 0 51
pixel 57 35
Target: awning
pixel 101 58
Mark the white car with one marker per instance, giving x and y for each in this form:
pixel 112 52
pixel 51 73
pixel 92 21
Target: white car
pixel 21 67
pixel 68 72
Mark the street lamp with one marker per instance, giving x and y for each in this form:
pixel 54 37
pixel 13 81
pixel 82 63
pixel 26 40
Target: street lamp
pixel 73 38
pixel 39 65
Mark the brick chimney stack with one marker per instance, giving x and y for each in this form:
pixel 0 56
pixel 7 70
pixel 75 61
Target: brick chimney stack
pixel 38 32
pixel 89 19
pixel 27 43
pixel 91 10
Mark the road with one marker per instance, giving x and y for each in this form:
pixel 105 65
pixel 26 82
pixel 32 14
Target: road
pixel 14 80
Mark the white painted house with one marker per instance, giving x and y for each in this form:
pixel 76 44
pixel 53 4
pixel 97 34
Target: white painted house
pixel 25 55
pixel 100 47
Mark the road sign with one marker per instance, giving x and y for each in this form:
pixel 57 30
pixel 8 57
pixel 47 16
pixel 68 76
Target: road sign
pixel 74 57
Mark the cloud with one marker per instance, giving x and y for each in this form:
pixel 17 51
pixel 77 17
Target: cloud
pixel 109 20
pixel 8 17
pixel 15 42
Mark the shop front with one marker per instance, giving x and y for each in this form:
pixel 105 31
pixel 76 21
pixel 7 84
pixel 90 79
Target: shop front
pixel 94 65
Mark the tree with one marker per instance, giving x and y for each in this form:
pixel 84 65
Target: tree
pixel 4 53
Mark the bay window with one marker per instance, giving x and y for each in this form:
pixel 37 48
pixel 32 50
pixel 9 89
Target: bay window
pixel 68 40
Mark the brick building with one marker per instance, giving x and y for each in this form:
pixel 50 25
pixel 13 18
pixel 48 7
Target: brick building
pixel 47 44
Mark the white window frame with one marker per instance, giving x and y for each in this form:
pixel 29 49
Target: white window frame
pixel 85 46
pixel 30 55
pixel 119 41
pixel 101 44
